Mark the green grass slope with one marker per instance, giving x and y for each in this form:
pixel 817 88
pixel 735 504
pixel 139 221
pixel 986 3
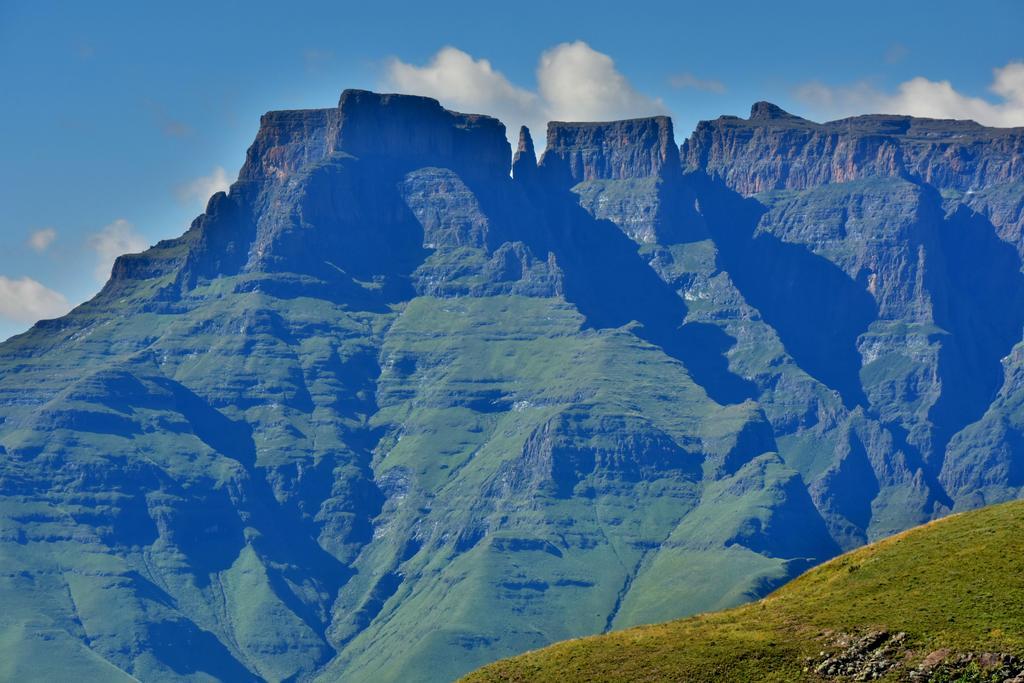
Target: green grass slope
pixel 956 584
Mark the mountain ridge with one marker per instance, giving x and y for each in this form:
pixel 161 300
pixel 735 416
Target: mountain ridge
pixel 489 411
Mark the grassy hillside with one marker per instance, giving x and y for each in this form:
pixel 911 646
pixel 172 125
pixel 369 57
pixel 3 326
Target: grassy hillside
pixel 956 584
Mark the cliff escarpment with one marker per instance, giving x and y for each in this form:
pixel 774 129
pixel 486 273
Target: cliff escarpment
pixel 389 411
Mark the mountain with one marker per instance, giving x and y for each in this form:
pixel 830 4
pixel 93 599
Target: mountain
pixel 387 412
pixel 942 602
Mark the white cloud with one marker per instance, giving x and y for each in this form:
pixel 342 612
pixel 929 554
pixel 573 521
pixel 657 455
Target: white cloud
pixel 923 97
pixel 110 242
pixel 579 83
pixel 466 84
pixel 25 300
pixel 575 83
pixel 689 80
pixel 41 239
pixel 202 188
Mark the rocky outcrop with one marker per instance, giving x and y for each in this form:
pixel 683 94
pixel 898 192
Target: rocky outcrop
pixel 867 658
pixel 884 655
pixel 524 163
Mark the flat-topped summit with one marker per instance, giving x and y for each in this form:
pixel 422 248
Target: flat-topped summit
pixel 773 149
pixel 421 130
pixel 633 148
pixel 409 129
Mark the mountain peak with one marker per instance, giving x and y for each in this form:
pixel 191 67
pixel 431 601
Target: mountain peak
pixel 766 110
pixel 525 161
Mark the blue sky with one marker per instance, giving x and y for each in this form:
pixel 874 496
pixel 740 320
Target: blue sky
pixel 120 118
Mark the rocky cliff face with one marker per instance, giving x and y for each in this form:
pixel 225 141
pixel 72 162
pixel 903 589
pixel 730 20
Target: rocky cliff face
pixel 775 150
pixel 621 150
pixel 387 412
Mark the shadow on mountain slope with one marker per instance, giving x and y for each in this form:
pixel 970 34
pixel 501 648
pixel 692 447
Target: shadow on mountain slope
pixel 611 284
pixel 189 650
pixel 592 250
pixel 817 310
pixel 977 292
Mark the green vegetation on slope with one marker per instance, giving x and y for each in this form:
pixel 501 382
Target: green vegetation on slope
pixel 956 583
